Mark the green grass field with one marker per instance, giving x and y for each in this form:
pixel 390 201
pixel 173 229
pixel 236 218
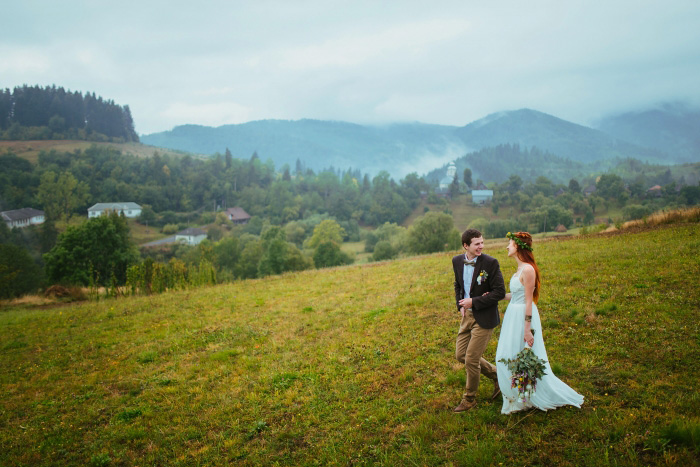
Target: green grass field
pixel 355 366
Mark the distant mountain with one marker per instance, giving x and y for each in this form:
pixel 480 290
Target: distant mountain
pixel 529 128
pixel 397 148
pixel 673 128
pixel 403 148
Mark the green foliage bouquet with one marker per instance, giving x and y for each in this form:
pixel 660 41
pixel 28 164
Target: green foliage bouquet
pixel 526 369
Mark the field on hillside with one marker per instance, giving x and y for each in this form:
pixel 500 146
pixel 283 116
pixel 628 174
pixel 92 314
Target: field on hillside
pixel 355 366
pixel 30 149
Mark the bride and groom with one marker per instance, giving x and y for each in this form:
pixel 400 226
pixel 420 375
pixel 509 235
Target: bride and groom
pixel 478 288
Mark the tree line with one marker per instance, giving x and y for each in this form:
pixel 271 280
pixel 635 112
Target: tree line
pixel 41 113
pixel 542 205
pixel 65 184
pixel 300 218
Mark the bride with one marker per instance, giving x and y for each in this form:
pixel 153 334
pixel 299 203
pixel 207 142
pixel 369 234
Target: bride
pixel 522 326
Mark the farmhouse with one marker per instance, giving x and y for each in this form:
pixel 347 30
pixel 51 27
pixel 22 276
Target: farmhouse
pixel 128 209
pixel 22 217
pixel 237 215
pixel 655 191
pixel 481 195
pixel 191 236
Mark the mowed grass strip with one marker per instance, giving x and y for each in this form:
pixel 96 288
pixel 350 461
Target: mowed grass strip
pixel 355 365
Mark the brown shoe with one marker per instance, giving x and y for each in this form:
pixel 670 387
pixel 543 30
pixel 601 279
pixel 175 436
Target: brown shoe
pixel 465 405
pixel 496 390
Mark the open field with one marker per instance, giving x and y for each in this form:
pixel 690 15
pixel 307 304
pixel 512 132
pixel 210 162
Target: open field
pixel 355 366
pixel 30 149
pixel 141 234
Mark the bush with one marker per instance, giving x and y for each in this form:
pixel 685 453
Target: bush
pixel 433 232
pixel 499 228
pixel 383 250
pixel 329 254
pixel 635 211
pixel 148 216
pixel 215 233
pixel 169 229
pixel 371 240
pixel 18 272
pixel 209 217
pixel 96 252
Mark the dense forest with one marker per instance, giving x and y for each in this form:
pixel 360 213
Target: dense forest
pixel 193 185
pixel 36 113
pixel 495 164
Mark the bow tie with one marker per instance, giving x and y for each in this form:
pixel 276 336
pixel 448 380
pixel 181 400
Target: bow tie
pixel 471 263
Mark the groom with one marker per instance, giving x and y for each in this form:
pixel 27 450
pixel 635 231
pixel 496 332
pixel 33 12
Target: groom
pixel 478 288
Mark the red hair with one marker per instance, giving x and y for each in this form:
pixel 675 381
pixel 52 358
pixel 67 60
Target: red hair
pixel 526 256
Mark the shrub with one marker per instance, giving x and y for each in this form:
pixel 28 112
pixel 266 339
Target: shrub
pixel 383 250
pixel 635 211
pixel 329 254
pixel 433 232
pixel 19 274
pixel 169 229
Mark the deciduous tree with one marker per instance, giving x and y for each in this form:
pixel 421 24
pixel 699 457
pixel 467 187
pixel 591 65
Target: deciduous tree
pixel 94 252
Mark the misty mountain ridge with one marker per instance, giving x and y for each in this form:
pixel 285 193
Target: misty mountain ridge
pixel 402 148
pixel 673 128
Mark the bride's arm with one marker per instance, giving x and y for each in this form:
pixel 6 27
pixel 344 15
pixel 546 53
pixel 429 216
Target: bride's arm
pixel 528 279
pixel 506 297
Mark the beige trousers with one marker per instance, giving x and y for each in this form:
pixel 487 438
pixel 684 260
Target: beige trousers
pixel 472 340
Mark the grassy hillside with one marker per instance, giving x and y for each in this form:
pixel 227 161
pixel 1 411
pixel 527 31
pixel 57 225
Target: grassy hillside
pixel 355 366
pixel 30 149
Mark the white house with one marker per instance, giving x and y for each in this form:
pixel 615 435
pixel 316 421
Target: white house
pixel 191 236
pixel 482 196
pixel 128 209
pixel 22 217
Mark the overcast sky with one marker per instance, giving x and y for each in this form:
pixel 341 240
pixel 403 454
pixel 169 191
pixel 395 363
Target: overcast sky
pixel 446 62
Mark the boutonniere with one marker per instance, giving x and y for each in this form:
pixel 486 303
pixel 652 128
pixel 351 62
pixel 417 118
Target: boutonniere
pixel 483 275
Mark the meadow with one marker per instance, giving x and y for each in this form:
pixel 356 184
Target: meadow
pixel 355 366
pixel 30 149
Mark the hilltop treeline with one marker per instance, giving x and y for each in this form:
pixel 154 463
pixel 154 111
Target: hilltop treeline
pixel 33 112
pixel 496 164
pixel 169 184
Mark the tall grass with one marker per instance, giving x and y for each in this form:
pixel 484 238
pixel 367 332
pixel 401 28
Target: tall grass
pixel 355 366
pixel 671 216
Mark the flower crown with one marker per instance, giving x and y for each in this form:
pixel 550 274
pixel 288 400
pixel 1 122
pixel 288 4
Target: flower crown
pixel 519 242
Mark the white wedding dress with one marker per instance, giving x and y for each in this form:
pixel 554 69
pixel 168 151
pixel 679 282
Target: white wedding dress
pixel 551 392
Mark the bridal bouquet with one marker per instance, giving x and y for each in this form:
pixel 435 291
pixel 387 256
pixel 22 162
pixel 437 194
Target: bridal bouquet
pixel 526 369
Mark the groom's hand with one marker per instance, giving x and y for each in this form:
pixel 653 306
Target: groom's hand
pixel 466 302
pixel 461 311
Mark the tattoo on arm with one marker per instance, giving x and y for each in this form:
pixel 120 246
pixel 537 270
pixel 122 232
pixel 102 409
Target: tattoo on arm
pixel 528 318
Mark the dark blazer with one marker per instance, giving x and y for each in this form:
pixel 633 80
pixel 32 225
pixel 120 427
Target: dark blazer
pixel 485 308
